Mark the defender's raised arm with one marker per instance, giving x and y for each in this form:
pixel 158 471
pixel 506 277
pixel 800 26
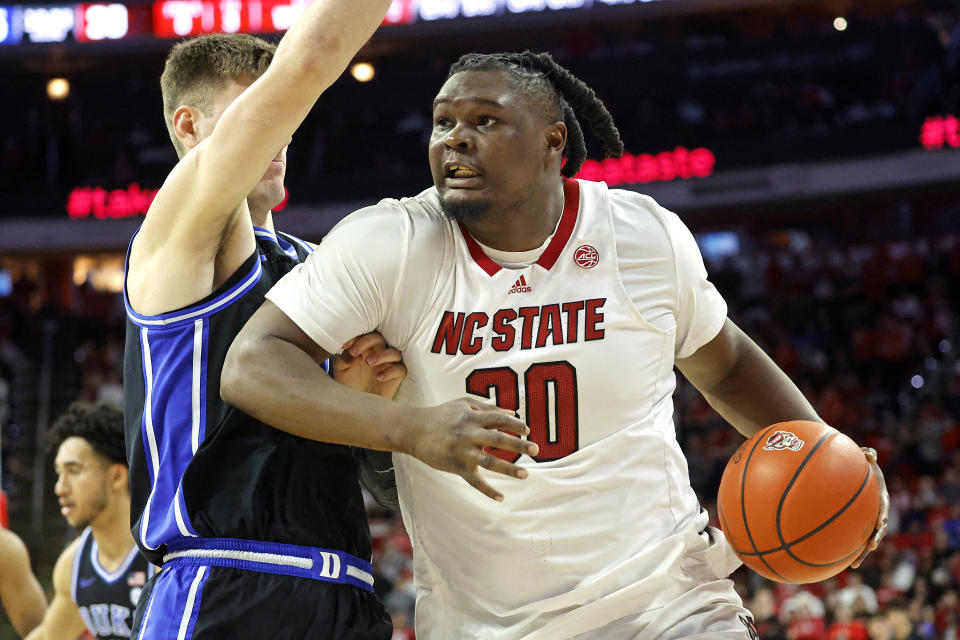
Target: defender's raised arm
pixel 196 233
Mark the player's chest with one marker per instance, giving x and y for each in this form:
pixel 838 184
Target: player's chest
pixel 559 346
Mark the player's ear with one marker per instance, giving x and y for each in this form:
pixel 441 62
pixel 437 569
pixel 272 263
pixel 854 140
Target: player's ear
pixel 119 477
pixel 185 126
pixel 556 137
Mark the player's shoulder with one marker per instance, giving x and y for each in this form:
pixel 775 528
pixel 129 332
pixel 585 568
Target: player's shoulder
pixel 417 221
pixel 641 221
pixel 12 548
pixel 63 569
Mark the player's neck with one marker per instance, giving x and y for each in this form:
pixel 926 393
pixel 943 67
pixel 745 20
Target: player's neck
pixel 524 225
pixel 262 218
pixel 111 530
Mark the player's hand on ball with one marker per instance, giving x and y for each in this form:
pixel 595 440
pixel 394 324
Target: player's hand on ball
pixel 453 437
pixel 369 364
pixel 881 529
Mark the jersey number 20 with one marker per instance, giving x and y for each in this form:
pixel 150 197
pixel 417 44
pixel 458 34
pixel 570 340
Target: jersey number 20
pixel 555 432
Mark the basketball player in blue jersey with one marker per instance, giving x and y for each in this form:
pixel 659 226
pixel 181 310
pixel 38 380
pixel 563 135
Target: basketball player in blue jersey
pixel 99 576
pixel 20 592
pixel 565 301
pixel 260 534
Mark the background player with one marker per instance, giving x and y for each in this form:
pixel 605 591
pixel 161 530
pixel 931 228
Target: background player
pixel 560 298
pixel 99 576
pixel 202 472
pixel 20 592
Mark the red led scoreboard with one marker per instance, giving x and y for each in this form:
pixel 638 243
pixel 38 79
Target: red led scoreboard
pixel 106 21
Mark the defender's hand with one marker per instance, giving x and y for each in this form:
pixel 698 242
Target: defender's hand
pixel 368 364
pixel 881 528
pixel 453 436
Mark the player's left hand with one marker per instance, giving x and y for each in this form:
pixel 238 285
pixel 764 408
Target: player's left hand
pixel 881 528
pixel 368 364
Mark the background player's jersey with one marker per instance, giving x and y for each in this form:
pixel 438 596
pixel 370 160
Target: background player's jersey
pixel 582 344
pixel 200 467
pixel 106 599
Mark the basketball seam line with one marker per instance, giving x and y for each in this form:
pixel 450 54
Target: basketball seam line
pixel 783 497
pixel 743 506
pixel 863 484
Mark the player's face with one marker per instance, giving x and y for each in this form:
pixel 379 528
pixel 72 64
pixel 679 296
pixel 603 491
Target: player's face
pixel 269 191
pixel 83 482
pixel 488 148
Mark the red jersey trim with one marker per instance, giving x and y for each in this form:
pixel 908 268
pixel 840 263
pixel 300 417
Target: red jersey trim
pixel 568 220
pixel 482 259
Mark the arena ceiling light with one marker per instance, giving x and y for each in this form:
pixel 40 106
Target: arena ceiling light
pixel 840 23
pixel 58 89
pixel 363 72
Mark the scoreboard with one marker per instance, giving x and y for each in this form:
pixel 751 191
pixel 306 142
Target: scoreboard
pixel 106 21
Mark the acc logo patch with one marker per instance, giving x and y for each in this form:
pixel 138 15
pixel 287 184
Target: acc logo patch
pixel 586 256
pixel 783 441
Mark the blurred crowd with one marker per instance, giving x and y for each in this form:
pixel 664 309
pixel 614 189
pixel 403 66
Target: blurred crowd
pixel 870 333
pixel 772 89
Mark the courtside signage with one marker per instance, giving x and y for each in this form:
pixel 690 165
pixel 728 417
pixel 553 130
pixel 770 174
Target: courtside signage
pixel 938 132
pixel 103 204
pixel 662 167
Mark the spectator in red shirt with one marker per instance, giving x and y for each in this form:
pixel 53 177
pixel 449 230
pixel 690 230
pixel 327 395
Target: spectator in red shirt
pixel 846 627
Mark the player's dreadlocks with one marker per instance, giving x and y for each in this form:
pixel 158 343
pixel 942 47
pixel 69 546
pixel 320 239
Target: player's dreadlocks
pixel 562 95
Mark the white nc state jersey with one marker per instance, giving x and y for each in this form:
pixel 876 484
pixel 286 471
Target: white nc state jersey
pixel 581 344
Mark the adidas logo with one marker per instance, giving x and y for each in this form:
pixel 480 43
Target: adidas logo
pixel 520 286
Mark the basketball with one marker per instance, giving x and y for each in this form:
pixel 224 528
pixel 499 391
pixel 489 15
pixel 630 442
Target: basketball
pixel 798 502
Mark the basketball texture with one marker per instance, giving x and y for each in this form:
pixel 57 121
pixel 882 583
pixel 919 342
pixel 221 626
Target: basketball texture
pixel 798 502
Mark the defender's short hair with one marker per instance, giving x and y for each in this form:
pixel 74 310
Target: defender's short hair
pixel 197 69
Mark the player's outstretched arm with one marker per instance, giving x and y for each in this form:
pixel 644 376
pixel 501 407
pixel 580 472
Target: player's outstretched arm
pixel 751 392
pixel 273 373
pixel 197 206
pixel 19 590
pixel 62 619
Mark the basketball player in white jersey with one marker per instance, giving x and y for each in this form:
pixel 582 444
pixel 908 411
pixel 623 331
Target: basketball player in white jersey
pixel 563 301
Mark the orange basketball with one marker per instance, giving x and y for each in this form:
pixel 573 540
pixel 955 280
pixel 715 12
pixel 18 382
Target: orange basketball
pixel 798 502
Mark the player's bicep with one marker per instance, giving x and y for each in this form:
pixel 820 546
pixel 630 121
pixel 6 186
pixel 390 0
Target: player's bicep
pixel 270 323
pixel 346 286
pixel 712 363
pixel 19 590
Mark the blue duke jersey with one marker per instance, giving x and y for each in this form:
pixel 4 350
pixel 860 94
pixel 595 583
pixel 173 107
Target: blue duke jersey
pixel 106 599
pixel 200 467
pixel 579 337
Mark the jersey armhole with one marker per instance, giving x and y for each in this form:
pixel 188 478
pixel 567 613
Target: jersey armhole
pixel 240 281
pixel 77 558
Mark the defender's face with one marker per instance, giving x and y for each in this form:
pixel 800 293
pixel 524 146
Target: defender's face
pixel 487 147
pixel 83 482
pixel 269 191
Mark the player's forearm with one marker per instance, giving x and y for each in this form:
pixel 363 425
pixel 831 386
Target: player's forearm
pixel 278 383
pixel 327 36
pixel 757 393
